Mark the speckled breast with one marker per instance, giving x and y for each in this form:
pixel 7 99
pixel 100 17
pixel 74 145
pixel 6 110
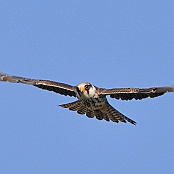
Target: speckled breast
pixel 95 103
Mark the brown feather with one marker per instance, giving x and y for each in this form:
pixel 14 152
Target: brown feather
pixel 116 116
pixel 109 114
pixel 136 93
pixel 57 87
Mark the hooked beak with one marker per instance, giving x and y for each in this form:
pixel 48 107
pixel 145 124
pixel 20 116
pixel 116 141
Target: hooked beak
pixel 82 89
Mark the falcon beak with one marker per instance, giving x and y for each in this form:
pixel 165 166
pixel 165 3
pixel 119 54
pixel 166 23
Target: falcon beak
pixel 82 89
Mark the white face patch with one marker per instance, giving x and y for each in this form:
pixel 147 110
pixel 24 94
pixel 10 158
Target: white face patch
pixel 85 90
pixel 92 91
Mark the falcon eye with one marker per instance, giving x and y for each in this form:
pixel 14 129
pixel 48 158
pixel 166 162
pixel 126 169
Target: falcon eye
pixel 87 87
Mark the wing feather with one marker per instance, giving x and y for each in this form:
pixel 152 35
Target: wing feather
pixel 76 106
pixel 57 87
pixel 135 93
pixel 116 116
pixel 111 114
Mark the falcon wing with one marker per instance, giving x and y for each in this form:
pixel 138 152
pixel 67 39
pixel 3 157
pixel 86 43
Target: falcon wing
pixel 57 87
pixel 135 93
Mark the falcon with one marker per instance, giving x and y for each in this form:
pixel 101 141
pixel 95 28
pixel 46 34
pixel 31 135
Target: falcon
pixel 92 100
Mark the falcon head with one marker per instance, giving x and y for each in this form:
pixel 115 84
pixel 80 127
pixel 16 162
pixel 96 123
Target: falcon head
pixel 85 90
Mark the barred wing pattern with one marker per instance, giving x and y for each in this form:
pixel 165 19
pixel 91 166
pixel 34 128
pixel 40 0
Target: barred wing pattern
pixel 135 93
pixel 57 87
pixel 110 115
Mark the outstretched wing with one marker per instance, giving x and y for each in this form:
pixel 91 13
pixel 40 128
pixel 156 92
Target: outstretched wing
pixel 135 93
pixel 57 87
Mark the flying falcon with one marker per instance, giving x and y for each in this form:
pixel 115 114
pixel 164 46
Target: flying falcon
pixel 92 100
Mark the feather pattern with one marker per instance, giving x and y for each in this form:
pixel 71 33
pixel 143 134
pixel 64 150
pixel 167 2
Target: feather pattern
pixel 135 93
pixel 57 87
pixel 110 114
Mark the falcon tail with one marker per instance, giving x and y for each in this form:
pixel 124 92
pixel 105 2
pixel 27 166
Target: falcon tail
pixel 110 114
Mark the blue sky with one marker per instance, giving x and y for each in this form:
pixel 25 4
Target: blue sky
pixel 108 43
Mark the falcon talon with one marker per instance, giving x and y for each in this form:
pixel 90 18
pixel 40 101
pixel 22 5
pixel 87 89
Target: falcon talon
pixel 92 100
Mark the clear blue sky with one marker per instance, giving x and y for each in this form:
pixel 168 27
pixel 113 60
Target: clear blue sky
pixel 108 43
